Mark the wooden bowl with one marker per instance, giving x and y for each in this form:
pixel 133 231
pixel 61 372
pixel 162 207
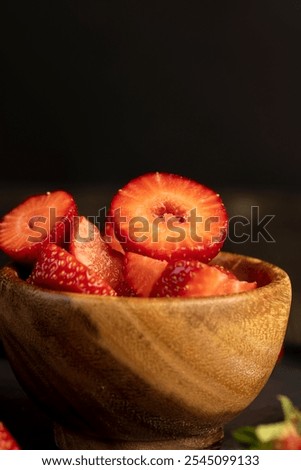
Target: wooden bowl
pixel 136 373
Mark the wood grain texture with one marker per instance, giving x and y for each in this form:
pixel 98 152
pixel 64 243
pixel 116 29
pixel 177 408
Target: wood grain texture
pixel 136 372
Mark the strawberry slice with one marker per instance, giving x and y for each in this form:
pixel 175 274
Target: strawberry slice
pixel 7 441
pixel 192 278
pixel 167 216
pixel 141 272
pixel 229 273
pixel 35 222
pixel 57 269
pixel 89 247
pixel 110 237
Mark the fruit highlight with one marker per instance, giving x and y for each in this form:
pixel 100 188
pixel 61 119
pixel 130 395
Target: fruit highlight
pixel 161 234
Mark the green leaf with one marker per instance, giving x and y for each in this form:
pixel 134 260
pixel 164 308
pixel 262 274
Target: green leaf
pixel 245 435
pixel 287 407
pixel 270 432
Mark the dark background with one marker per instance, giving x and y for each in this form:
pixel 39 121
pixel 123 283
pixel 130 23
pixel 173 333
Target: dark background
pixel 96 92
pixel 208 89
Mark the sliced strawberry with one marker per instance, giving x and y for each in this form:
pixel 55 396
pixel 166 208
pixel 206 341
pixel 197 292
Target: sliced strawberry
pixel 229 273
pixel 36 221
pixel 89 247
pixel 110 237
pixel 290 441
pixel 141 272
pixel 7 441
pixel 166 216
pixel 59 270
pixel 125 290
pixel 192 278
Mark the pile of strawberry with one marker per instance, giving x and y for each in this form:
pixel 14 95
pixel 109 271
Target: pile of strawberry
pixel 7 441
pixel 159 236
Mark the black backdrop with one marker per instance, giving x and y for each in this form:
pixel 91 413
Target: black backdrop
pixel 100 90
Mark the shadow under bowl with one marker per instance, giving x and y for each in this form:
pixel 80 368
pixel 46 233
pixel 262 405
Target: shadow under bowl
pixel 145 373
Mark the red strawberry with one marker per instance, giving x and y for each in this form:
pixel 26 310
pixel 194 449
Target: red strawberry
pixel 192 278
pixel 230 274
pixel 281 354
pixel 90 248
pixel 141 272
pixel 59 270
pixel 125 290
pixel 7 441
pixel 291 441
pixel 36 221
pixel 166 216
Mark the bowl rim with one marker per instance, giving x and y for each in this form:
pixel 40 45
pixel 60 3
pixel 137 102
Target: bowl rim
pixel 9 272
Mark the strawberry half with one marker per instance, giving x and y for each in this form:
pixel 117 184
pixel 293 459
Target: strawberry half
pixel 141 272
pixel 89 247
pixel 36 221
pixel 111 239
pixel 291 441
pixel 192 278
pixel 167 216
pixel 59 270
pixel 7 441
